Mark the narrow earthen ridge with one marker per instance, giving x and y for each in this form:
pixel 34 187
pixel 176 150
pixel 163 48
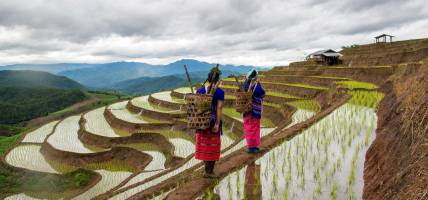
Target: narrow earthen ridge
pixel 154 114
pixel 194 185
pixel 156 139
pixel 131 157
pixel 129 126
pixel 166 104
pixel 178 94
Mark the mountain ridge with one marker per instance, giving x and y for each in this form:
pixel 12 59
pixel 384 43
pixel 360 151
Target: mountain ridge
pixel 32 79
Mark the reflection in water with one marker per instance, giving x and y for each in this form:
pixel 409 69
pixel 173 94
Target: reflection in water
pixel 252 188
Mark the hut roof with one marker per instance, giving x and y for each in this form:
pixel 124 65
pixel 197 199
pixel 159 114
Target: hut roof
pixel 326 52
pixel 384 35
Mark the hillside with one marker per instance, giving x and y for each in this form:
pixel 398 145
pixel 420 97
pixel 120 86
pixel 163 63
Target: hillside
pixel 22 104
pixel 145 85
pixel 105 75
pixel 27 78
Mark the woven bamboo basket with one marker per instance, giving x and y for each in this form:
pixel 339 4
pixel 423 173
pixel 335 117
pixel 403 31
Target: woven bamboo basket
pixel 198 111
pixel 243 102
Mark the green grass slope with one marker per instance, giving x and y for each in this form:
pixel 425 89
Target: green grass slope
pixel 28 78
pixel 22 104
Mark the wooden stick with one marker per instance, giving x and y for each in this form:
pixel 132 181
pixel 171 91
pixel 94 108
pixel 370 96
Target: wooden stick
pixel 188 79
pixel 240 85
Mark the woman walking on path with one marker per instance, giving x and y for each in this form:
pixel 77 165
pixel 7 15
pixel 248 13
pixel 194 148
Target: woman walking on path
pixel 208 142
pixel 252 118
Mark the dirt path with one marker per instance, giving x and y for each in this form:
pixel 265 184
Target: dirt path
pixel 194 184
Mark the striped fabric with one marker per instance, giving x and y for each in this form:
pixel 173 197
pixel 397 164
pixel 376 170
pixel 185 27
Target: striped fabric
pixel 208 146
pixel 252 131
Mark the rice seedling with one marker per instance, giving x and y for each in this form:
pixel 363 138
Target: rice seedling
pixel 284 95
pixel 309 105
pixel 357 85
pixel 333 191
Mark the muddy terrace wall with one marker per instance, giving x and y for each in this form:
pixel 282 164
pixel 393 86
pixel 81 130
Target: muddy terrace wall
pixel 109 142
pixel 129 126
pixel 154 114
pixel 131 157
pixel 278 115
pixel 386 53
pixel 376 75
pixel 396 165
pixel 166 104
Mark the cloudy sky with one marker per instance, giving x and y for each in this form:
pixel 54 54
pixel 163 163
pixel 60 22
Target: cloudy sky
pixel 257 32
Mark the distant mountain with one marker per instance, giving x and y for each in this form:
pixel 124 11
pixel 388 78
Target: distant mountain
pixel 51 68
pixel 146 85
pixel 27 78
pixel 102 76
pixel 105 75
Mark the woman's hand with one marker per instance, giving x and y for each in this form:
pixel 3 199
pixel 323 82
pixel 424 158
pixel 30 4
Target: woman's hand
pixel 216 128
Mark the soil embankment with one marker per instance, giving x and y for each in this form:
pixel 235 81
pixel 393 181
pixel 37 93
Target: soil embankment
pixel 396 165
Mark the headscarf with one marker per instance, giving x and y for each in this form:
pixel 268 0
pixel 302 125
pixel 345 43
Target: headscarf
pixel 252 74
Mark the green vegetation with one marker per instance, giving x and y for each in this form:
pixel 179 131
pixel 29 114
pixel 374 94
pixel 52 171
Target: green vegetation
pixel 299 85
pixel 274 105
pixel 13 181
pixel 366 98
pixel 357 85
pixel 7 142
pixel 350 46
pixel 22 104
pixel 329 77
pixel 230 97
pixel 229 86
pixel 284 95
pixel 8 130
pixel 310 105
pixel 36 79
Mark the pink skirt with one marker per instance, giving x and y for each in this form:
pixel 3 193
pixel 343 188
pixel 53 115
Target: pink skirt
pixel 252 131
pixel 208 145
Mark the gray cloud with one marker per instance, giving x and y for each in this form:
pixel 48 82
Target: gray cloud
pixel 261 32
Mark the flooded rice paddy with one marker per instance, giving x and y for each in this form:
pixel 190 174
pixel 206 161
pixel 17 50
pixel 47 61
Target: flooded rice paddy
pixel 324 162
pixel 39 135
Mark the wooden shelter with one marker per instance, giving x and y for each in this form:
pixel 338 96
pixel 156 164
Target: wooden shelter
pixel 383 38
pixel 326 57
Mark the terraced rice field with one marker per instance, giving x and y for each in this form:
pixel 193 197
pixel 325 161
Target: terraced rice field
pixel 119 110
pixel 28 156
pixel 166 96
pixel 143 102
pixel 324 161
pixel 39 135
pixel 97 124
pixel 65 137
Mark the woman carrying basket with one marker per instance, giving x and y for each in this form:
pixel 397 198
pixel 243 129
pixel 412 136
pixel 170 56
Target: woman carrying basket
pixel 208 142
pixel 252 118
